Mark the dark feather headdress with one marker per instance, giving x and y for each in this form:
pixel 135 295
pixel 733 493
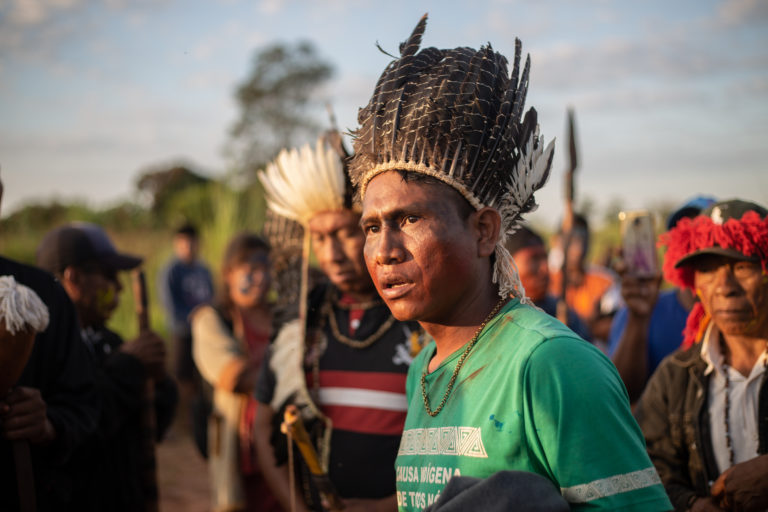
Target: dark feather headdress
pixel 457 115
pixel 285 239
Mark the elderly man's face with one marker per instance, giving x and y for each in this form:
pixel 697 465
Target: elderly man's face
pixel 734 293
pixel 419 250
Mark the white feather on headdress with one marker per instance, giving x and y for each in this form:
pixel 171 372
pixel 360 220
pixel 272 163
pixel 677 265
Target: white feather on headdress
pixel 301 183
pixel 21 307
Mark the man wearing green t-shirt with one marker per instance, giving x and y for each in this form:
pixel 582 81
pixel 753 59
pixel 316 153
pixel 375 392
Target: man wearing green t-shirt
pixel 445 165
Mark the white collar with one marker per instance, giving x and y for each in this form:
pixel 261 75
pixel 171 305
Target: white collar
pixel 711 351
pixel 712 354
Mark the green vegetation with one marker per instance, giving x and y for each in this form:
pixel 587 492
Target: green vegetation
pixel 217 209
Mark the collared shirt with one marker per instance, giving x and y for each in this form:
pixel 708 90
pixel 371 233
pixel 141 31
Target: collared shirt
pixel 743 393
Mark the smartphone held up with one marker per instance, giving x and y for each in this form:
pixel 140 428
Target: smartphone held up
pixel 638 240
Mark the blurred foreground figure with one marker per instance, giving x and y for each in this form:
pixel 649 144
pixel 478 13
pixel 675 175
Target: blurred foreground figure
pixel 87 264
pixel 650 326
pixel 446 164
pixel 52 407
pixel 229 341
pixel 705 410
pixel 344 361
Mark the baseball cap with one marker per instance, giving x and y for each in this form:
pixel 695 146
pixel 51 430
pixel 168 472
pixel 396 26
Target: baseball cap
pixel 79 243
pixel 690 208
pixel 720 213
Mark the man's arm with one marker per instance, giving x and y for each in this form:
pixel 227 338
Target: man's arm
pixel 670 459
pixel 581 431
pixel 72 402
pixel 631 355
pixel 23 417
pixel 277 477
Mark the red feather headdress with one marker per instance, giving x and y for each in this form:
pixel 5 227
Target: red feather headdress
pixel 749 236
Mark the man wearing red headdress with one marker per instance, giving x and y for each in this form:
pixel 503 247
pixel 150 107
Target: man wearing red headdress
pixel 705 410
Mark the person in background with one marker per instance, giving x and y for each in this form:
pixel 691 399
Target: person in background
pixel 650 326
pixel 530 255
pixel 83 258
pixel 347 370
pixel 229 340
pixel 592 291
pixel 704 411
pixel 53 406
pixel 184 284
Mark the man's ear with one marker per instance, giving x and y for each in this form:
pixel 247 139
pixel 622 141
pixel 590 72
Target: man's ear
pixel 487 223
pixel 70 280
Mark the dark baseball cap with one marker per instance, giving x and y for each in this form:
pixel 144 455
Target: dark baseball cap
pixel 81 243
pixel 720 213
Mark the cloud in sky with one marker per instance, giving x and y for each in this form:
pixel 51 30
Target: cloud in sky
pixel 737 12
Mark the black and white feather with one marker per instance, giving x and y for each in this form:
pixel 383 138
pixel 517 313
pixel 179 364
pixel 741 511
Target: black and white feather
pixel 457 115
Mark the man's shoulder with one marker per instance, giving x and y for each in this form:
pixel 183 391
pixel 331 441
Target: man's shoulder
pixel 681 361
pixel 536 339
pixel 523 324
pixel 43 283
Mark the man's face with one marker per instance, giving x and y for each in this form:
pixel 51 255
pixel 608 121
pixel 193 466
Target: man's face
pixel 337 241
pixel 533 269
pixel 734 293
pixel 95 292
pixel 185 247
pixel 420 252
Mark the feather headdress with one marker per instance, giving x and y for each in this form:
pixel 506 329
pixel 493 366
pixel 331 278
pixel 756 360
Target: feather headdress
pixel 457 115
pixel 743 233
pixel 301 183
pixel 285 238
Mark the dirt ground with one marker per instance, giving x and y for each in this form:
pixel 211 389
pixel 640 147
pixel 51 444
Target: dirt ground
pixel 182 473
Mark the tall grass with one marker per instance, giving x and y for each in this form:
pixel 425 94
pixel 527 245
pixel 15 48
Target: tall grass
pixel 232 211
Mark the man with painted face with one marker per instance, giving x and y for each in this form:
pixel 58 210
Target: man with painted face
pixel 346 365
pixel 87 264
pixel 704 412
pixel 445 165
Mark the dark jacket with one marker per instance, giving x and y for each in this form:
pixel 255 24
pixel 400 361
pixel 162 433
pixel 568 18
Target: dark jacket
pixel 118 452
pixel 674 417
pixel 63 371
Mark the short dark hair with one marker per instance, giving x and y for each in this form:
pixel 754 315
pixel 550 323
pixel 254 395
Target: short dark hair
pixel 522 238
pixel 187 229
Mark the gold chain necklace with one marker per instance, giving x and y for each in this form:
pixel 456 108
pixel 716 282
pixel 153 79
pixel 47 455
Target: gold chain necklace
pixel 346 340
pixel 463 358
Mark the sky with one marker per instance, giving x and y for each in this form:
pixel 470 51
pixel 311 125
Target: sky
pixel 671 98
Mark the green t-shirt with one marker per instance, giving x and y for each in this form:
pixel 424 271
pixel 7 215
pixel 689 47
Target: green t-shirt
pixel 531 396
